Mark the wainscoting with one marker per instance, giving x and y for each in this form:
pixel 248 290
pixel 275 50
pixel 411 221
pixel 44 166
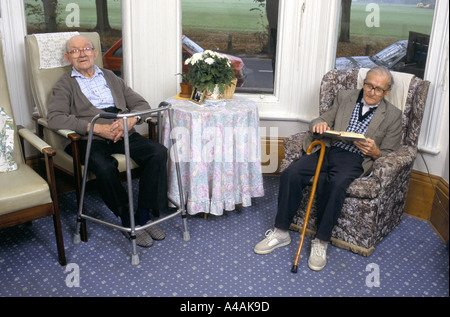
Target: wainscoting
pixel 428 195
pixel 428 199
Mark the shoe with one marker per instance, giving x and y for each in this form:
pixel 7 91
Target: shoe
pixel 143 239
pixel 271 242
pixel 155 231
pixel 318 257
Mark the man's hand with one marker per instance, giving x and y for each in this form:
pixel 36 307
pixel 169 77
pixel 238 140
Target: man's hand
pixel 114 131
pixel 103 130
pixel 368 148
pixel 321 127
pixel 117 127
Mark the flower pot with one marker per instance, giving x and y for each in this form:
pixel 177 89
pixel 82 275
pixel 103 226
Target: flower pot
pixel 216 94
pixel 229 90
pixel 186 90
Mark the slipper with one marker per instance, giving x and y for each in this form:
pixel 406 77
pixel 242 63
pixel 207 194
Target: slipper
pixel 143 239
pixel 155 231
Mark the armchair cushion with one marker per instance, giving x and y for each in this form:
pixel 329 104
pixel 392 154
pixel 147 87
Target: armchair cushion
pixel 25 189
pixel 52 47
pixel 7 162
pixel 399 93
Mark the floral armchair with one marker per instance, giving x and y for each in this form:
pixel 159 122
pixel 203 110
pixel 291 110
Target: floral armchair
pixel 374 204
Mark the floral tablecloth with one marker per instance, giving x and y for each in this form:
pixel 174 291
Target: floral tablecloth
pixel 219 153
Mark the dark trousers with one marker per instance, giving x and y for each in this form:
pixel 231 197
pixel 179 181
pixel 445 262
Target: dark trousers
pixel 339 169
pixel 151 158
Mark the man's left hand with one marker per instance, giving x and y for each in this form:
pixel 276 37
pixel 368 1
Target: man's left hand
pixel 368 148
pixel 117 127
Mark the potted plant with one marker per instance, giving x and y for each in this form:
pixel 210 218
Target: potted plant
pixel 185 85
pixel 210 71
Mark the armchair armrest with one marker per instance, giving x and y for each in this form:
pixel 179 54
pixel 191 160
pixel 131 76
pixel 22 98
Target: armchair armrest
pixel 35 141
pixel 387 167
pixel 68 134
pixel 152 122
pixel 293 146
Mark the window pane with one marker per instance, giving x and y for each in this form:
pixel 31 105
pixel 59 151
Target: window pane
pixel 239 28
pixel 394 34
pixel 80 16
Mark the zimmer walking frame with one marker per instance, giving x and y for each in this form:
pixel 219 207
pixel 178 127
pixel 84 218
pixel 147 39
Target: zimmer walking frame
pixel 181 210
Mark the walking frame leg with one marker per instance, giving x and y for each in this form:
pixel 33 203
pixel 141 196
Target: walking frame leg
pixel 186 234
pixel 134 255
pixel 81 223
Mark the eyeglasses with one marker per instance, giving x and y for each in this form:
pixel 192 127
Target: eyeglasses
pixel 76 52
pixel 378 91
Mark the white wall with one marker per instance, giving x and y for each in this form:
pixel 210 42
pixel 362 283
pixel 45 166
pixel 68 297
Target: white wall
pixel 13 31
pixel 152 47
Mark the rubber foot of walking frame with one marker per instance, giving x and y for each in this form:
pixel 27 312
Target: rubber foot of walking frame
pixel 294 269
pixel 186 236
pixel 76 238
pixel 135 259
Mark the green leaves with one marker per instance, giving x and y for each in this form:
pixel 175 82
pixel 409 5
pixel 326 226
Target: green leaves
pixel 207 69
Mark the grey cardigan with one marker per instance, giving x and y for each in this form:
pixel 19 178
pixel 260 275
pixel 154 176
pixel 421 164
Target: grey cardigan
pixel 70 109
pixel 385 127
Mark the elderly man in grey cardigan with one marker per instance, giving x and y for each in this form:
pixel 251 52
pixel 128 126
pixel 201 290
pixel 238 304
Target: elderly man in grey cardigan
pixel 362 111
pixel 82 93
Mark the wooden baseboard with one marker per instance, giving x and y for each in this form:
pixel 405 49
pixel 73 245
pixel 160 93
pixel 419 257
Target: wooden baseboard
pixel 428 199
pixel 272 152
pixel 439 210
pixel 420 194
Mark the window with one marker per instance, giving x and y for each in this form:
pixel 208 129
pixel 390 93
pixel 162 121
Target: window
pixel 244 29
pixel 104 17
pixel 394 34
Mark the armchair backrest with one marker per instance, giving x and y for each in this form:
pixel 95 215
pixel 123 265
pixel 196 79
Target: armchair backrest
pixel 42 80
pixel 410 90
pixel 5 103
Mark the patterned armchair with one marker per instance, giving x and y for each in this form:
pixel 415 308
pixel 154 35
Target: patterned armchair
pixel 374 204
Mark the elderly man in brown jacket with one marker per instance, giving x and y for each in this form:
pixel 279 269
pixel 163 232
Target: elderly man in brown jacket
pixel 82 93
pixel 362 111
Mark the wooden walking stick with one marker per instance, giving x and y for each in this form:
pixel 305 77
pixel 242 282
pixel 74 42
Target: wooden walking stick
pixel 311 198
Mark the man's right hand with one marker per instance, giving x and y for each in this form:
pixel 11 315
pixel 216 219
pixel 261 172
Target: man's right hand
pixel 321 127
pixel 103 130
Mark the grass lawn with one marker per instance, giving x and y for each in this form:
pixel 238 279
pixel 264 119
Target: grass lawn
pixel 395 21
pixel 223 15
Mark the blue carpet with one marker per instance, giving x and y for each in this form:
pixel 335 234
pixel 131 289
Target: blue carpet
pixel 218 261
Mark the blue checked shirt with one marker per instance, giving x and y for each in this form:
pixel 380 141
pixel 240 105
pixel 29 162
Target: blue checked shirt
pixel 358 123
pixel 95 89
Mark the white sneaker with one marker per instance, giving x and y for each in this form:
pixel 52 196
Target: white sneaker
pixel 318 257
pixel 271 242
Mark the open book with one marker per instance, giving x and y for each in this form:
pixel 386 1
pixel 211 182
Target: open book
pixel 344 135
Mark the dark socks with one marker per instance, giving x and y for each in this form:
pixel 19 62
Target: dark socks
pixel 125 220
pixel 142 217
